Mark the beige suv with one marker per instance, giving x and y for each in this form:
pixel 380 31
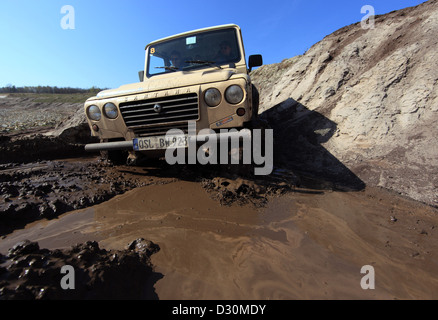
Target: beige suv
pixel 197 77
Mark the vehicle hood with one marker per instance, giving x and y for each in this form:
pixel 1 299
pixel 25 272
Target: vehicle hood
pixel 171 81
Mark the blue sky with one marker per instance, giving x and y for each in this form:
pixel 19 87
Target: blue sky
pixel 106 47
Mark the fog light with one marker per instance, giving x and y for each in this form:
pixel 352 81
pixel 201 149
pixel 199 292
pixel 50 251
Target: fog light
pixel 95 127
pixel 241 112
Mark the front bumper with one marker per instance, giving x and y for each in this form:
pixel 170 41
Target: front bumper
pixel 192 139
pixel 107 146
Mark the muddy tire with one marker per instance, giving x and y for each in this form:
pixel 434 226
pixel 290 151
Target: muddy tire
pixel 245 169
pixel 116 157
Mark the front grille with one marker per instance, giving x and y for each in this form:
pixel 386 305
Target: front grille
pixel 140 113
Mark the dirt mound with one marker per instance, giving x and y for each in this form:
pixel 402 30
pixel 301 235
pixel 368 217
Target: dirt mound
pixel 30 148
pixel 243 191
pixel 29 272
pixel 33 130
pixel 21 112
pixel 361 103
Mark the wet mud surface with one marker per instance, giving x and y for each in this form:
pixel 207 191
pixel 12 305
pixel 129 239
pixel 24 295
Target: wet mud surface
pixel 217 236
pixel 47 189
pixel 156 231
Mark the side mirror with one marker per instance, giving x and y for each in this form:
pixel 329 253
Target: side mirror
pixel 255 60
pixel 141 75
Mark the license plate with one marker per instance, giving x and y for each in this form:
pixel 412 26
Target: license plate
pixel 160 142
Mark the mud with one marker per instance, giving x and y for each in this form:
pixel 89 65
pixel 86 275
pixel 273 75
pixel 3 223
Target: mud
pixel 38 197
pixel 301 244
pixel 46 189
pixel 307 244
pixel 210 233
pixel 30 272
pixel 34 145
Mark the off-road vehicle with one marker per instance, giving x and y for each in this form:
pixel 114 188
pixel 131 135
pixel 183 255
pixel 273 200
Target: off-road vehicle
pixel 200 77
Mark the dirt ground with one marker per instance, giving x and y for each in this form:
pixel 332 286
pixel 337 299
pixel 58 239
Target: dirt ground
pixel 156 231
pixel 214 236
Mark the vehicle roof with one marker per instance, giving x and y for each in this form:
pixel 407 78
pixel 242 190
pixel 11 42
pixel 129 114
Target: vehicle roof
pixel 223 26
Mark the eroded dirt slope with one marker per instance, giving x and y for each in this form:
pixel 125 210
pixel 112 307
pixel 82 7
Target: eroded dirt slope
pixel 362 99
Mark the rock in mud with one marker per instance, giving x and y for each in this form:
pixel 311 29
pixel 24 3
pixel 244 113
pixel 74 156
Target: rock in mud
pixel 244 191
pixel 28 272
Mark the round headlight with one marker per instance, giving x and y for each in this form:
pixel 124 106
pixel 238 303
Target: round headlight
pixel 110 110
pixel 212 97
pixel 234 94
pixel 94 113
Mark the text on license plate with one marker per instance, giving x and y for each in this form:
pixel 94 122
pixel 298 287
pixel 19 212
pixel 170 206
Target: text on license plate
pixel 160 142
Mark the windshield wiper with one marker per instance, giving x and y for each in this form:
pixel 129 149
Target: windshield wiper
pixel 209 63
pixel 168 68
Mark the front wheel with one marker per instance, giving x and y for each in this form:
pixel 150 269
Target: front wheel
pixel 116 157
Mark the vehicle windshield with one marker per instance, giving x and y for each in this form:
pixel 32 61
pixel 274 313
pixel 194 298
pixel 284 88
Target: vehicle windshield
pixel 211 48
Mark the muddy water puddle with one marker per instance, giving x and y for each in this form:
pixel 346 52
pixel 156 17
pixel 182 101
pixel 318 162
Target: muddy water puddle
pixel 301 245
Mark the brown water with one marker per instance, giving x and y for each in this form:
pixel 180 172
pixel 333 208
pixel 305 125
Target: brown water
pixel 302 245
